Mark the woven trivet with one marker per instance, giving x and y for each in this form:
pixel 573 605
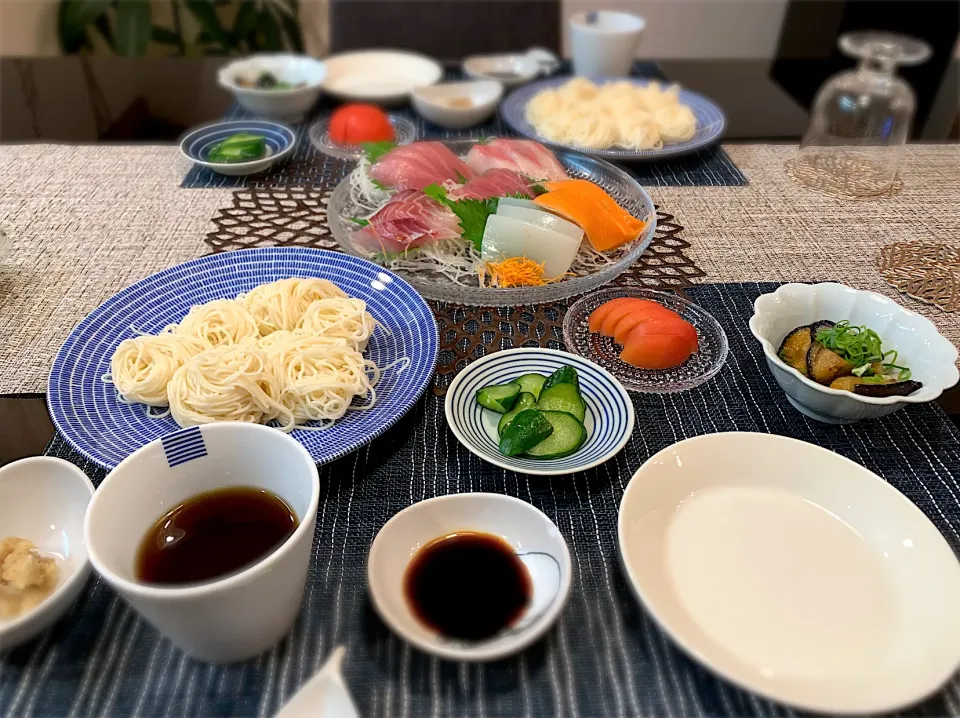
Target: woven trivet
pixel 843 177
pixel 295 217
pixel 923 270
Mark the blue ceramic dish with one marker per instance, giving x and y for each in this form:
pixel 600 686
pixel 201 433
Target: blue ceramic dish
pixel 609 418
pixel 87 412
pixel 711 122
pixel 280 141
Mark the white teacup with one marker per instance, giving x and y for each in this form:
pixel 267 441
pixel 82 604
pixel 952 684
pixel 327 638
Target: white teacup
pixel 242 614
pixel 604 43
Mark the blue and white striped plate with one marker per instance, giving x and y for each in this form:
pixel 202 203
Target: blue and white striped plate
pixel 711 122
pixel 279 138
pixel 86 410
pixel 609 419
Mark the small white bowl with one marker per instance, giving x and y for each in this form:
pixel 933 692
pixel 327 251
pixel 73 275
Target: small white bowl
pixel 289 105
pixel 433 102
pixel 536 539
pixel 244 613
pixel 609 418
pixel 793 572
pixel 43 499
pixel 383 77
pixel 931 357
pixel 511 69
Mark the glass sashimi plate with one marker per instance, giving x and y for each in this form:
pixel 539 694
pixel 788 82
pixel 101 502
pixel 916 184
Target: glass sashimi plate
pixel 434 284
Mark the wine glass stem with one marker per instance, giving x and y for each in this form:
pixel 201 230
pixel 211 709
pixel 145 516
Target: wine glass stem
pixel 880 65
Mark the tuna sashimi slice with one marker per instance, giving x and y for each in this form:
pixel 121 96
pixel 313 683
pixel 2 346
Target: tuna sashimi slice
pixel 410 219
pixel 527 157
pixel 417 165
pixel 493 183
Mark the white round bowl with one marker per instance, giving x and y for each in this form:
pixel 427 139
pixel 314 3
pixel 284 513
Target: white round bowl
pixel 43 499
pixel 931 357
pixel 792 572
pixel 384 77
pixel 244 613
pixel 431 102
pixel 289 105
pixel 609 418
pixel 536 539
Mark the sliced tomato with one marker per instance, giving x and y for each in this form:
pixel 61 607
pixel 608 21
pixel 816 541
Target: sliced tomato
pixel 665 325
pixel 601 312
pixel 636 306
pixel 656 351
pixel 641 316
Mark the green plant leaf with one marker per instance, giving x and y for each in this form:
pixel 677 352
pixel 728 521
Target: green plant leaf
pixel 206 15
pixel 271 33
pixel 132 29
pixel 73 16
pixel 245 20
pixel 291 30
pixel 165 36
pixel 102 24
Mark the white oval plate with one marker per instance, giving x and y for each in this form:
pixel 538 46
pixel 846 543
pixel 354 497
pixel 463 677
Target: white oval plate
pixel 793 572
pixel 385 77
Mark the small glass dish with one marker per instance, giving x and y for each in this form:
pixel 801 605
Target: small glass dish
pixel 405 130
pixel 699 368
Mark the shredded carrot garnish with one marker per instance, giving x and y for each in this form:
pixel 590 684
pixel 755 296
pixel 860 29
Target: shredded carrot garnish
pixel 514 272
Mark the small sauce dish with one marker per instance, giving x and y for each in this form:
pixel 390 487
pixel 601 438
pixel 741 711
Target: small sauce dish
pixel 456 105
pixel 534 538
pixel 43 500
pixel 512 69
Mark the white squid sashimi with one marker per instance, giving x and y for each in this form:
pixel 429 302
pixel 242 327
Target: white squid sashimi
pixel 507 237
pixel 542 219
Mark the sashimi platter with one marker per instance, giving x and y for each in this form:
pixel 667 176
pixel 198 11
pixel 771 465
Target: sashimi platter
pixel 494 222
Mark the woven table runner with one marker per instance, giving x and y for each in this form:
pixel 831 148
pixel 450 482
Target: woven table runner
pixel 604 657
pixel 708 167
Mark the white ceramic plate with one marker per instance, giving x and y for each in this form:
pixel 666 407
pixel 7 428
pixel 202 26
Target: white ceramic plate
pixel 385 77
pixel 535 538
pixel 793 572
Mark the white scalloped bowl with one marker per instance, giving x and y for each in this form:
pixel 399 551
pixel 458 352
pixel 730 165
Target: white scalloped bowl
pixel 931 357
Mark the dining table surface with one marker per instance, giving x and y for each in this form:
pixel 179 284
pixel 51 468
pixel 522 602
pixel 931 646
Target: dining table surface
pixel 82 222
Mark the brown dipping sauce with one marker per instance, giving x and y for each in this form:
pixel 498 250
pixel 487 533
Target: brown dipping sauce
pixel 461 103
pixel 214 534
pixel 467 585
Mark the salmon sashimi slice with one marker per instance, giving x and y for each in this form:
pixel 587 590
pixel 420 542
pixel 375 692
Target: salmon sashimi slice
pixel 419 164
pixel 606 224
pixel 527 157
pixel 410 219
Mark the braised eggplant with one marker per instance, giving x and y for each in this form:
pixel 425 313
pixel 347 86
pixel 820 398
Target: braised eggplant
pixel 824 365
pixel 897 388
pixel 847 383
pixel 794 347
pixel 818 327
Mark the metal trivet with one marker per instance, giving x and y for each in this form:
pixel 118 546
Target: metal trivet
pixel 923 270
pixel 297 217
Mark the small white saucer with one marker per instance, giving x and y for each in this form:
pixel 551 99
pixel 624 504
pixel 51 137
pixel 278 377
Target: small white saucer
pixel 793 572
pixel 434 102
pixel 512 69
pixel 533 535
pixel 43 499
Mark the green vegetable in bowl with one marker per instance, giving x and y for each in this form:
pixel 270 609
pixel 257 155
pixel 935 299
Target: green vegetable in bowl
pixel 861 347
pixel 241 147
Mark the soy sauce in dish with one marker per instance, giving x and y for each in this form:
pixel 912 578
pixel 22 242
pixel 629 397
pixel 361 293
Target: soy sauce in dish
pixel 214 534
pixel 467 585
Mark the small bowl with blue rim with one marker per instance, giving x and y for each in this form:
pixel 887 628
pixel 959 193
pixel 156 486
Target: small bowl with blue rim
pixel 608 415
pixel 279 141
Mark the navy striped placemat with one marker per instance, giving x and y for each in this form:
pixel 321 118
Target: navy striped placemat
pixel 604 657
pixel 710 167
